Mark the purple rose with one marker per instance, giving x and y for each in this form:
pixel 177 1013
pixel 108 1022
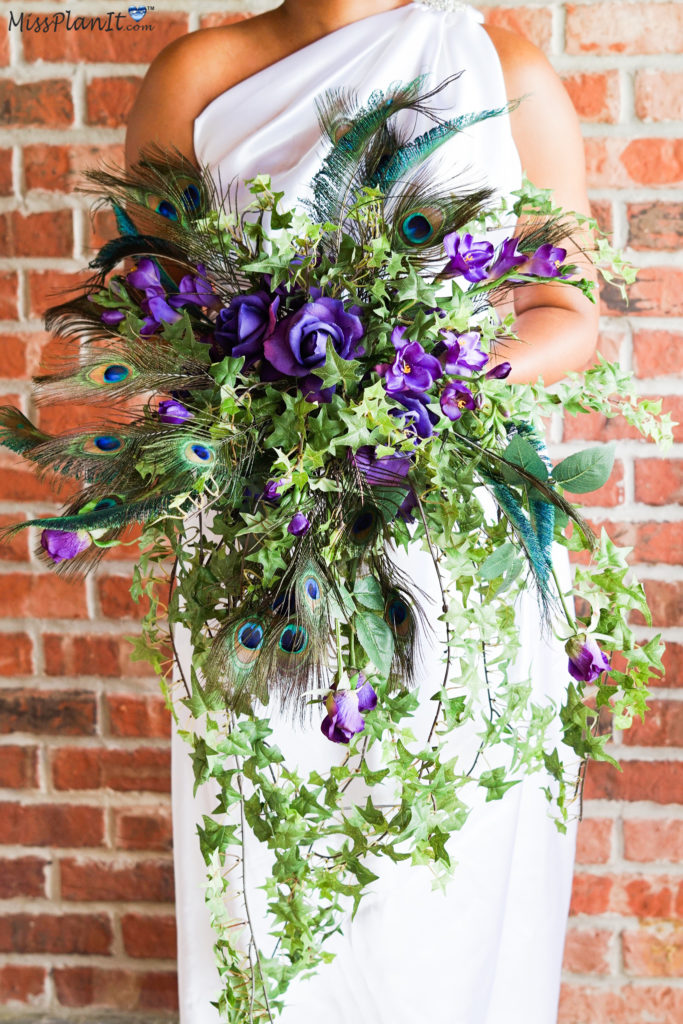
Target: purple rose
pixel 387 471
pixel 586 660
pixel 465 354
pixel 298 345
pixel 413 369
pixel 112 317
pixel 507 258
pixel 467 257
pixel 415 414
pixel 343 719
pixel 63 544
pixel 242 325
pixel 172 411
pixel 299 525
pixel 500 371
pixel 455 398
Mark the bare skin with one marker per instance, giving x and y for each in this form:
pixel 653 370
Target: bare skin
pixel 557 323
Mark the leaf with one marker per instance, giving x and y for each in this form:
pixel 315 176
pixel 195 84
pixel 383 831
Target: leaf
pixel 523 454
pixel 587 470
pixel 336 369
pixel 368 592
pixel 498 562
pixel 495 784
pixel 377 641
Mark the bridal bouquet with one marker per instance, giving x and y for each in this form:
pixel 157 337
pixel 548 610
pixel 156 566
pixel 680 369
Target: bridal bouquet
pixel 284 397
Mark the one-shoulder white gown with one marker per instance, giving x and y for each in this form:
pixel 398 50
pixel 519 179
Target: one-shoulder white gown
pixel 489 950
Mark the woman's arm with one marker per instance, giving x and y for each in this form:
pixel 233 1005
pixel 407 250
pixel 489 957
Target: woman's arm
pixel 557 323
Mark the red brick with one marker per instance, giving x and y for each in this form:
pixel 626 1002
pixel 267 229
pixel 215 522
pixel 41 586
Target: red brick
pixel 596 427
pixel 9 282
pixel 12 549
pixel 651 542
pixel 663 726
pixel 595 95
pixel 654 225
pixel 652 840
pixel 620 162
pixel 56 419
pixel 653 897
pixel 52 824
pixel 105 656
pixel 13 355
pixel 657 353
pixel 18 767
pixel 109 100
pixel 22 876
pixel 124 770
pixel 101 228
pixel 659 95
pixel 656 951
pixel 131 47
pixel 117 989
pixel 21 484
pixel 21 984
pixel 672 661
pixel 534 23
pixel 42 595
pixel 594 841
pixel 115 599
pixel 630 1004
pixel 587 951
pixel 665 601
pixel 32 104
pixel 622 27
pixel 147 935
pixel 601 209
pixel 659 481
pixel 55 933
pixel 657 291
pixel 6 172
pixel 58 168
pixel 143 830
pixel 151 881
pixel 37 234
pixel 4 42
pixel 138 716
pixel 48 287
pixel 658 781
pixel 16 657
pixel 590 894
pixel 62 714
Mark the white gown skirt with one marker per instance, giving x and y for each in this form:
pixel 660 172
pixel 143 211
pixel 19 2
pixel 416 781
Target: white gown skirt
pixel 487 951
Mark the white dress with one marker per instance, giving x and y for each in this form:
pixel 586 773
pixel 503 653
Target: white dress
pixel 489 950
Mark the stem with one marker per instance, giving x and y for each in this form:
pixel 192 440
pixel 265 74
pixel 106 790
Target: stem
pixel 340 666
pixel 444 608
pixel 570 618
pixel 246 901
pixel 188 690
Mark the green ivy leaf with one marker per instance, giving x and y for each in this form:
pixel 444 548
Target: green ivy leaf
pixel 377 640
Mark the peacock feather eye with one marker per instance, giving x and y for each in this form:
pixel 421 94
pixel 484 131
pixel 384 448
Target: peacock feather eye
pixel 340 130
pixel 191 198
pixel 248 641
pixel 293 639
pixel 363 525
pixel 103 444
pixel 199 454
pixel 111 373
pixel 284 604
pixel 167 209
pixel 312 592
pixel 106 503
pixel 397 616
pixel 417 228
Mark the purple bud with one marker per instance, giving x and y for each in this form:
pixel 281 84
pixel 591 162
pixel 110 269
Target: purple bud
pixel 586 660
pixel 500 371
pixel 171 411
pixel 63 544
pixel 299 525
pixel 111 317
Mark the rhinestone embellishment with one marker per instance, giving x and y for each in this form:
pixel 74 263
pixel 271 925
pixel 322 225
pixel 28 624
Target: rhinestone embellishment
pixel 444 5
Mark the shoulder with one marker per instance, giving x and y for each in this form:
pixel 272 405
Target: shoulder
pixel 183 78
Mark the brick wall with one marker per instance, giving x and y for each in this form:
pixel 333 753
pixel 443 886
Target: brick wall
pixel 86 913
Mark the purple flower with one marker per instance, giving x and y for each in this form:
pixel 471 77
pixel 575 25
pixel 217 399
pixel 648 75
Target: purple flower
pixel 465 354
pixel 298 345
pixel 343 719
pixel 586 660
pixel 388 471
pixel 313 391
pixel 506 259
pixel 245 322
pixel 545 262
pixel 455 398
pixel 467 257
pixel 195 290
pixel 415 414
pixel 112 317
pixel 413 369
pixel 271 492
pixel 500 371
pixel 299 525
pixel 146 277
pixel 406 507
pixel 174 412
pixel 63 544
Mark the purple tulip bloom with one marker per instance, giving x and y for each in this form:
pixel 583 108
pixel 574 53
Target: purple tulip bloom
pixel 416 416
pixel 146 277
pixel 500 371
pixel 387 471
pixel 465 354
pixel 271 492
pixel 545 262
pixel 173 412
pixel 194 289
pixel 112 317
pixel 406 507
pixel 413 369
pixel 344 719
pixel 586 660
pixel 507 258
pixel 467 257
pixel 63 544
pixel 299 525
pixel 242 325
pixel 298 345
pixel 455 398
